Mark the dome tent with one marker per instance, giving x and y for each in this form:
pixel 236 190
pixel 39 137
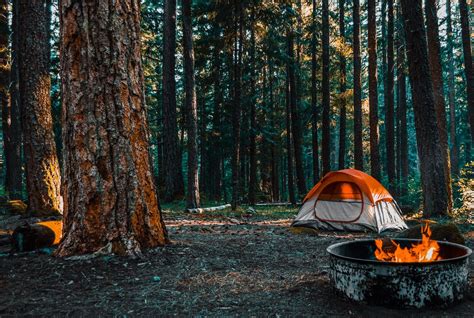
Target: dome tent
pixel 351 200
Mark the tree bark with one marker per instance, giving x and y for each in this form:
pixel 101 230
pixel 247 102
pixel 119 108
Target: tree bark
pixel 451 91
pixel 9 104
pixel 389 100
pixel 295 121
pixel 468 66
pixel 192 197
pixel 274 151
pixel 253 117
pixel 289 151
pixel 402 107
pixel 237 109
pixel 314 97
pixel 216 158
pixel 174 184
pixel 110 196
pixel 43 179
pixel 430 152
pixel 358 152
pixel 373 92
pixel 342 88
pixel 14 175
pixel 326 134
pixel 434 58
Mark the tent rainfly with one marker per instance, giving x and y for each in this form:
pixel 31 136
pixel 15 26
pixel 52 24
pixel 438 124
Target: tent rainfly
pixel 351 200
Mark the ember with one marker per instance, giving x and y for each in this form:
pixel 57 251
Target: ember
pixel 425 251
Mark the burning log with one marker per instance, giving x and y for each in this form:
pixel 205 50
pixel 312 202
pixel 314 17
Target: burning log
pixel 439 232
pixel 30 237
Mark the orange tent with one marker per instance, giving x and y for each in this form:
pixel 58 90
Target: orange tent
pixel 349 199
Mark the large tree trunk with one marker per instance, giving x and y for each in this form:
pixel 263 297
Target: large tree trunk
pixel 402 107
pixel 434 58
pixel 451 92
pixel 373 91
pixel 174 184
pixel 192 196
pixel 342 88
pixel 295 121
pixel 430 151
pixel 43 179
pixel 110 197
pixel 389 100
pixel 468 67
pixel 237 109
pixel 11 149
pixel 358 152
pixel 253 120
pixel 326 134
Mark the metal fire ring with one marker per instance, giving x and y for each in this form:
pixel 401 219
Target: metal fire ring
pixel 356 274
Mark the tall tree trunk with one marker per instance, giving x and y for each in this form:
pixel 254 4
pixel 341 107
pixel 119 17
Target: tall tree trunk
pixel 468 66
pixel 289 151
pixel 434 58
pixel 11 142
pixel 430 151
pixel 14 178
pixel 110 197
pixel 237 109
pixel 358 152
pixel 174 184
pixel 389 100
pixel 192 197
pixel 274 153
pixel 314 97
pixel 253 120
pixel 216 157
pixel 373 91
pixel 295 121
pixel 402 107
pixel 326 134
pixel 43 179
pixel 342 88
pixel 451 92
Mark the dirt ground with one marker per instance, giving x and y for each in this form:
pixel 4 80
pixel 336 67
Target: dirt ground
pixel 216 266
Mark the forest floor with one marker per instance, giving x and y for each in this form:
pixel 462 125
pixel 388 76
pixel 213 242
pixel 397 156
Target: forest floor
pixel 219 264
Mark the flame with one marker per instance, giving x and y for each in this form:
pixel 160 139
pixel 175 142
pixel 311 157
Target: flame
pixel 425 251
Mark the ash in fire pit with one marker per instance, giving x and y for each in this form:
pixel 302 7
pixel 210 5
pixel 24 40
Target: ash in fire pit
pixel 357 274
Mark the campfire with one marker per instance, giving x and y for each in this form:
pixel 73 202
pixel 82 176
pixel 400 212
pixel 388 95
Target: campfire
pixel 425 251
pixel 400 273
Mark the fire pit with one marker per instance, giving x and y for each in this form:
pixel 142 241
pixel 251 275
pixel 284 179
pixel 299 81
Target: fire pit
pixel 356 273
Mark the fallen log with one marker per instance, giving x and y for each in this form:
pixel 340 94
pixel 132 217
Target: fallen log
pixel 277 204
pixel 29 237
pixel 209 209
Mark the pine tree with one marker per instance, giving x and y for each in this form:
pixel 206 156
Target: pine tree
pixel 43 179
pixel 109 193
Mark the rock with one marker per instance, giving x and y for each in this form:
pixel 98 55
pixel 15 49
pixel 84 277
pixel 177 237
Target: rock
pixel 303 230
pixel 439 232
pixel 251 210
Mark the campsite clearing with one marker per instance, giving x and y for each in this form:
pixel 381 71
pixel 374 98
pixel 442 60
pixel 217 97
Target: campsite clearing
pixel 219 264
